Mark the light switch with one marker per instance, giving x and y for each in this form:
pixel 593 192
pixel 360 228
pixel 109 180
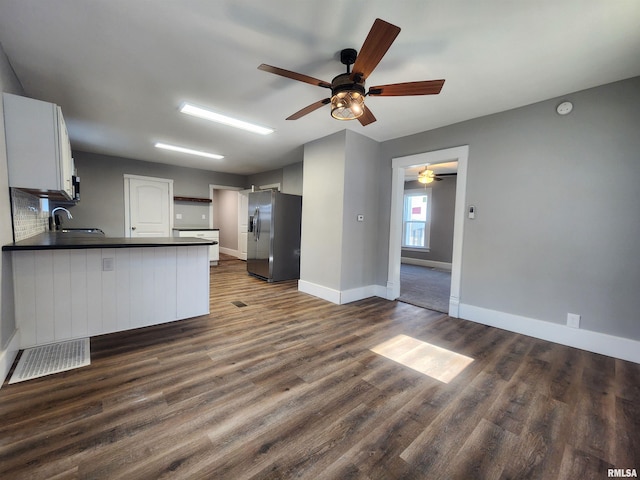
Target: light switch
pixel 107 264
pixel 472 211
pixel 360 217
pixel 178 216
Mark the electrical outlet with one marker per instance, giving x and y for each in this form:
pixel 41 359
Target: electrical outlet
pixel 107 264
pixel 573 320
pixel 204 217
pixel 178 216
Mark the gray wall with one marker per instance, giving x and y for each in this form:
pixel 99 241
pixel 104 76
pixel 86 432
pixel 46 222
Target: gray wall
pixel 340 175
pixel 289 178
pixel 265 178
pixel 228 218
pixel 443 201
pixel 557 222
pixel 359 239
pixel 292 179
pixel 8 83
pixel 102 190
pixel 322 211
pixel 192 213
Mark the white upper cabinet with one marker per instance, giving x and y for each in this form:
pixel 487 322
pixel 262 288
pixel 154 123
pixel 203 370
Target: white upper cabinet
pixel 38 149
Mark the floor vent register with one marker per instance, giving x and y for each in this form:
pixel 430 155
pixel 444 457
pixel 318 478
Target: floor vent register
pixel 54 358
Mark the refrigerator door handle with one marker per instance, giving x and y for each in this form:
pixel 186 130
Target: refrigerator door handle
pixel 256 228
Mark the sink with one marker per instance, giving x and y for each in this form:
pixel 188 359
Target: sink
pixel 93 231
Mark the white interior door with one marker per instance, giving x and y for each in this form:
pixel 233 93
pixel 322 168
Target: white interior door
pixel 148 202
pixel 243 219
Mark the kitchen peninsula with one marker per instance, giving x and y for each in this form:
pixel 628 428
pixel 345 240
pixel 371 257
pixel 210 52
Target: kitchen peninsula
pixel 70 285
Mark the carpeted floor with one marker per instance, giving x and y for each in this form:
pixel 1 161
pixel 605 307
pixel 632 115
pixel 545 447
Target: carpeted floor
pixel 425 287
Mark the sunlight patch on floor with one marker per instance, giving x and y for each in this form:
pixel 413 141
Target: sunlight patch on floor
pixel 436 362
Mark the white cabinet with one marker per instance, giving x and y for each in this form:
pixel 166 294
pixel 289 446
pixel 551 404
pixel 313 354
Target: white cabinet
pixel 214 250
pixel 63 294
pixel 38 149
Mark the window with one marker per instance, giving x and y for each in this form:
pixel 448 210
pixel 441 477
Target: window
pixel 416 219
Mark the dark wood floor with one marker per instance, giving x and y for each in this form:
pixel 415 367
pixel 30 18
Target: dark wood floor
pixel 278 384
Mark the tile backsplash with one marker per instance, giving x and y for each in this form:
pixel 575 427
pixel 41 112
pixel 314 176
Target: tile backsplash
pixel 28 217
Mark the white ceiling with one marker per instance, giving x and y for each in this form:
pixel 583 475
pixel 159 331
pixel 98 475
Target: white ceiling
pixel 121 68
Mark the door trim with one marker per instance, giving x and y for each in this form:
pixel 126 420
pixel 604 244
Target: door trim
pixel 398 164
pixel 242 214
pixel 127 213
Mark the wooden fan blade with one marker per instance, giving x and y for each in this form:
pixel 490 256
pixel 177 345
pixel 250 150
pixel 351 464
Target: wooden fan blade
pixel 380 38
pixel 294 76
pixel 428 87
pixel 309 109
pixel 367 117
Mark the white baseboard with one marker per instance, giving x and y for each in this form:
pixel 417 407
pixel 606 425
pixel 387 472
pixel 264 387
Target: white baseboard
pixel 426 263
pixel 8 355
pixel 355 294
pixel 454 307
pixel 341 297
pixel 391 292
pixel 596 342
pixel 319 291
pixel 230 251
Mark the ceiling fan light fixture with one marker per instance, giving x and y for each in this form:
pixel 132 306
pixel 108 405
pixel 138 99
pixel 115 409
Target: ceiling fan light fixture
pixel 347 105
pixel 426 176
pixel 347 98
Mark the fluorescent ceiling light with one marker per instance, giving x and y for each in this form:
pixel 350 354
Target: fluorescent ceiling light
pixel 175 148
pixel 217 117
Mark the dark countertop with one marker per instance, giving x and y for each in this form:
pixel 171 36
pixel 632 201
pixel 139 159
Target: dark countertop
pixel 195 229
pixel 59 241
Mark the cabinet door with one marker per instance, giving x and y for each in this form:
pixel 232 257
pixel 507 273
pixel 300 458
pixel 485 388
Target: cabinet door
pixel 214 250
pixel 31 143
pixel 65 159
pixel 38 150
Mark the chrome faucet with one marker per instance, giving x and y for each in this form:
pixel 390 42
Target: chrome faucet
pixel 69 216
pixel 52 220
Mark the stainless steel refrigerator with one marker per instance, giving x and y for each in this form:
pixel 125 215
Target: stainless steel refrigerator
pixel 273 243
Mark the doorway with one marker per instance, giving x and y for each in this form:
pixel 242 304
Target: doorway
pixel 459 154
pixel 427 235
pixel 224 214
pixel 233 221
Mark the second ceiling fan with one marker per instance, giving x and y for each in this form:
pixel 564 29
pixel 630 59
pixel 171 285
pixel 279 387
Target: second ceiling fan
pixel 348 89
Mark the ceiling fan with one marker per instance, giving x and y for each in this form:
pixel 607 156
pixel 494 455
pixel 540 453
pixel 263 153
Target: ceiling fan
pixel 348 90
pixel 429 176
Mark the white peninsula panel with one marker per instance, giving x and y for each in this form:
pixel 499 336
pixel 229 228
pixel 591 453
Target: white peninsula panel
pixel 63 294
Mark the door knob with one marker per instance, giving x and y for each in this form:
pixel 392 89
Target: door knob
pixel 133 228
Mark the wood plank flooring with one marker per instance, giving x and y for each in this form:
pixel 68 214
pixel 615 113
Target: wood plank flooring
pixel 276 384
